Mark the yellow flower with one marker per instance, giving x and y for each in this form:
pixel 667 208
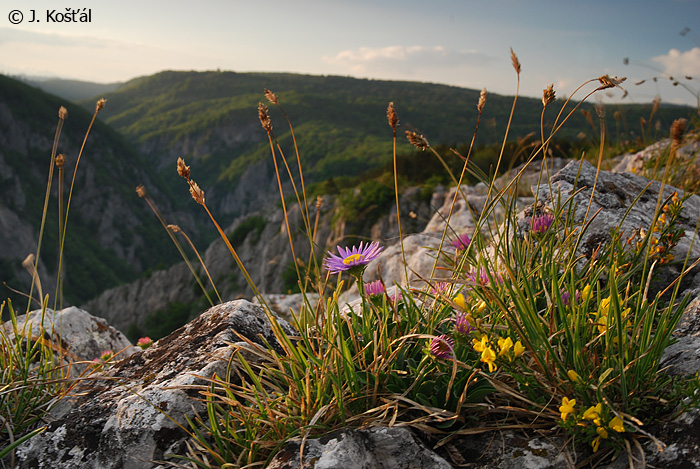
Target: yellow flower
pixel 602 432
pixel 518 349
pixel 602 324
pixel 595 444
pixel 616 424
pixel 488 356
pixel 604 307
pixel 480 307
pixel 567 407
pixel 504 345
pixel 573 376
pixel 480 344
pixel 593 412
pixel 586 293
pixel 459 301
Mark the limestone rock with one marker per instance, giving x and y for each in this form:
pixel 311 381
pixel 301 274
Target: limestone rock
pixel 378 448
pixel 82 335
pixel 125 418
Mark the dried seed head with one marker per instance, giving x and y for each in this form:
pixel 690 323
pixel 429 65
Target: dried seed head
pixel 606 81
pixel 62 113
pixel 272 97
pixel 548 95
pixel 516 62
pixel 174 228
pixel 416 140
pixel 264 117
pixel 482 101
pixel 141 190
pixel 197 193
pixel 100 104
pixel 182 169
pixel 657 101
pixel 60 160
pixel 391 116
pixel 640 82
pixel 319 202
pixel 678 130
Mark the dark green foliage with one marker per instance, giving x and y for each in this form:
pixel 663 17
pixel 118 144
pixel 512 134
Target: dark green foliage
pixel 164 321
pixel 254 224
pixel 367 202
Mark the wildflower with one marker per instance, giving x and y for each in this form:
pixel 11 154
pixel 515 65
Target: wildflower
pixel 616 424
pixel 541 223
pixel 460 301
pixel 481 344
pixel 567 407
pixel 441 288
pixel 565 298
pixel 602 432
pixel 593 413
pixel 573 376
pixel 462 324
pixel 518 349
pixel 482 277
pixel 144 342
pixel 462 242
pixel 352 259
pixel 375 288
pixel 442 346
pixel 595 444
pixel 488 356
pixel 395 298
pixel 504 345
pixel 586 293
pixel 480 307
pixel 106 355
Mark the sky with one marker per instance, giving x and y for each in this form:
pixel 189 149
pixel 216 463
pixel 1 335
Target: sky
pixel 463 43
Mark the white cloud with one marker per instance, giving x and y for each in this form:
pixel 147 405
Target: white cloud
pixel 679 64
pixel 403 61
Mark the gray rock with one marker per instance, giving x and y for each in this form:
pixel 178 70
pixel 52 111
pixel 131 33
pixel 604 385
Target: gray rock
pixel 82 336
pixel 377 448
pixel 126 417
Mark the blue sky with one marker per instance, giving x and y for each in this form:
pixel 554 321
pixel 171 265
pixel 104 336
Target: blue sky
pixel 463 43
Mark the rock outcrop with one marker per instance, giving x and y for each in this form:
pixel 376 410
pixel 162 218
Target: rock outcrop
pixel 133 413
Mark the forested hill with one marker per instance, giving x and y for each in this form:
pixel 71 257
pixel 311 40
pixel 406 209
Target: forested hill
pixel 210 118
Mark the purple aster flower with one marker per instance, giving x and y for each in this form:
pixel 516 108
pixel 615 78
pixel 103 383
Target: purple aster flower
pixel 462 242
pixel 566 297
pixel 358 256
pixel 441 288
pixel 462 324
pixel 482 277
pixel 374 288
pixel 442 346
pixel 541 223
pixel 395 298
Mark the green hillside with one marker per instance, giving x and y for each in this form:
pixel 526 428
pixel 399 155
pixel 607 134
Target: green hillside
pixel 340 122
pixel 112 235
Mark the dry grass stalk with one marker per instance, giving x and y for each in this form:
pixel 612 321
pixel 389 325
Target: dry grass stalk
pixel 417 140
pixel 548 95
pixel 29 265
pixel 482 101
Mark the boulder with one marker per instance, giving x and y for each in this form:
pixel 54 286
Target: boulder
pixel 133 413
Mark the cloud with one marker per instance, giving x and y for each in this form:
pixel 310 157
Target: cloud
pixel 404 61
pixel 679 64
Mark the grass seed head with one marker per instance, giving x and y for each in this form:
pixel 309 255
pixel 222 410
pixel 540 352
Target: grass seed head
pixel 416 140
pixel 182 169
pixel 197 193
pixel 272 97
pixel 60 160
pixel 264 117
pixel 678 130
pixel 141 190
pixel 62 113
pixel 100 104
pixel 516 62
pixel 392 116
pixel 606 81
pixel 548 95
pixel 482 101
